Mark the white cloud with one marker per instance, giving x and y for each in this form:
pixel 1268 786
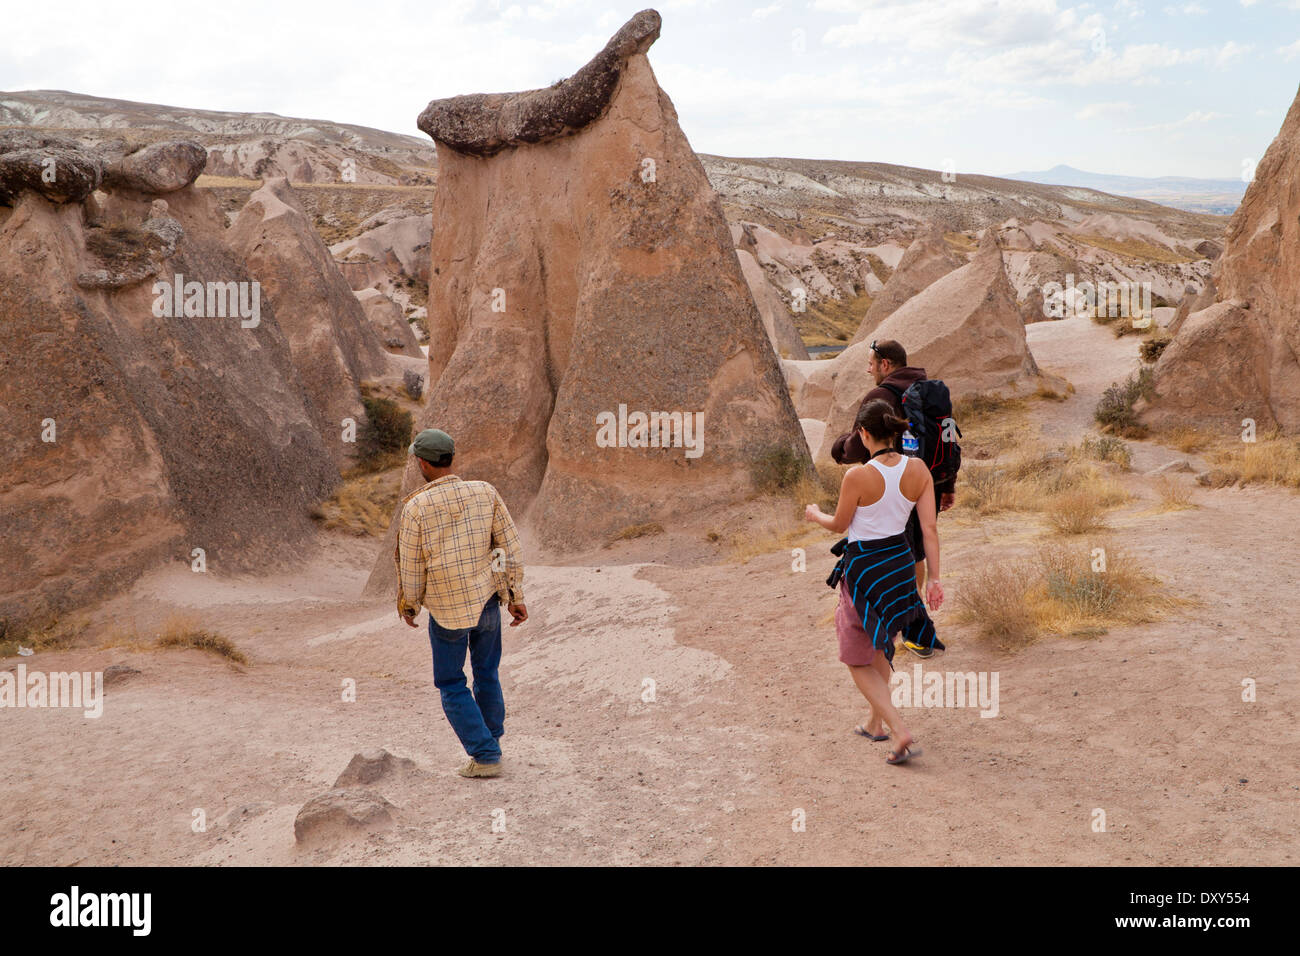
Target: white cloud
pixel 1194 118
pixel 1093 110
pixel 1229 52
pixel 1290 51
pixel 762 13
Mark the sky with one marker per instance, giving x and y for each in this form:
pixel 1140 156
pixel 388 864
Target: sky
pixel 1194 88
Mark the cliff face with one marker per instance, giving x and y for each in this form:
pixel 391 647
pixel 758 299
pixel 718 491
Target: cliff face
pixel 1240 356
pixel 133 432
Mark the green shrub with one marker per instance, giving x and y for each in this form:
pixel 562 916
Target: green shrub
pixel 1114 413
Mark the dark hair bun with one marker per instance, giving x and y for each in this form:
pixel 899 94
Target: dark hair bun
pixel 878 418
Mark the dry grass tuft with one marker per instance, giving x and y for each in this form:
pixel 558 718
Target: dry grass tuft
pixel 43 631
pixel 990 423
pixel 636 531
pixel 1187 439
pixel 364 503
pixel 1076 511
pixel 1054 482
pixel 181 631
pixel 782 536
pixel 1174 495
pixel 1271 460
pixel 1065 589
pixel 1049 394
pixel 993 597
pixel 1106 448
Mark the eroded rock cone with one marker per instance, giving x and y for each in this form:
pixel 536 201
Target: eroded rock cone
pixel 389 323
pixel 334 346
pixel 965 328
pixel 927 259
pixel 777 320
pixel 582 267
pixel 1192 302
pixel 1238 356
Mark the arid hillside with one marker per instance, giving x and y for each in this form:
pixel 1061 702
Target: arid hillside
pixel 829 233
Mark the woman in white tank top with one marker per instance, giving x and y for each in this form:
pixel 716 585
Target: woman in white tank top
pixel 887 516
pixel 878 591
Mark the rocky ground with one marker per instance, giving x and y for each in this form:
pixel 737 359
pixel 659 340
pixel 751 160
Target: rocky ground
pixel 749 728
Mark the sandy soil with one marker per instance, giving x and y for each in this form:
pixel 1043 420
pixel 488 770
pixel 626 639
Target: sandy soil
pixel 750 721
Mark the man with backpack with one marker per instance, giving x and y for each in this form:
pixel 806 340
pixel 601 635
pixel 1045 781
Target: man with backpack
pixel 932 437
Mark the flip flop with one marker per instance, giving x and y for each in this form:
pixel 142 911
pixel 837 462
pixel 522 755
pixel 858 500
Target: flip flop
pixel 908 754
pixel 862 732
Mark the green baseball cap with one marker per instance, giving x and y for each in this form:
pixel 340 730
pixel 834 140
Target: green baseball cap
pixel 432 444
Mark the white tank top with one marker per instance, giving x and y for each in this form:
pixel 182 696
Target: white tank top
pixel 888 516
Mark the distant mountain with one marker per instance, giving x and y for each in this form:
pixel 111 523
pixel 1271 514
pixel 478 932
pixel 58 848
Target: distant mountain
pixel 1217 196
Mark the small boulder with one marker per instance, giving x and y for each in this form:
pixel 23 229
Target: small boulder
pixel 370 765
pixel 413 382
pixel 342 812
pixel 118 674
pixel 1216 478
pixel 1181 465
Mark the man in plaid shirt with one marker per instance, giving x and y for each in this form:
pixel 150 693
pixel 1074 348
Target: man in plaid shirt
pixel 458 555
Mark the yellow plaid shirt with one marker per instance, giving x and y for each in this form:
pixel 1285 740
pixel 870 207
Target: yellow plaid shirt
pixel 456 545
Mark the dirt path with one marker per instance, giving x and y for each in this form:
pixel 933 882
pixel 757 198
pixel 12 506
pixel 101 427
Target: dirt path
pixel 748 723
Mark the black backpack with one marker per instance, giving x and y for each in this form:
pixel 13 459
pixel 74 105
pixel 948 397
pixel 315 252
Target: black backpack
pixel 927 406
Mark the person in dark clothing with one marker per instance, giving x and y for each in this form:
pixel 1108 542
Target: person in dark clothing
pixel 888 366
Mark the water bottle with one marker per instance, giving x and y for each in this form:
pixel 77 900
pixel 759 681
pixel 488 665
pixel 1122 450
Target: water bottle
pixel 910 445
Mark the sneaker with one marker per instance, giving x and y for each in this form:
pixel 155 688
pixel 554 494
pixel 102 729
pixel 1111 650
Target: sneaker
pixel 476 769
pixel 922 652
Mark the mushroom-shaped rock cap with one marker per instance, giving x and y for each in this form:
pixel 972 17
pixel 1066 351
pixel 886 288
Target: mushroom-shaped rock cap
pixel 157 169
pixel 57 168
pixel 482 124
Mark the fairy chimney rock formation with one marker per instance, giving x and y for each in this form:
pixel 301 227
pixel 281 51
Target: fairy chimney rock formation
pixel 335 347
pixel 965 328
pixel 145 413
pixel 777 319
pixel 927 259
pixel 1236 355
pixel 595 351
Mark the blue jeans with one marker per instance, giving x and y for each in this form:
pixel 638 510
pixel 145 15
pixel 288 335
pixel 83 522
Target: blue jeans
pixel 478 718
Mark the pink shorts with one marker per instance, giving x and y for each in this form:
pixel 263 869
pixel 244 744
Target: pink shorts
pixel 856 648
